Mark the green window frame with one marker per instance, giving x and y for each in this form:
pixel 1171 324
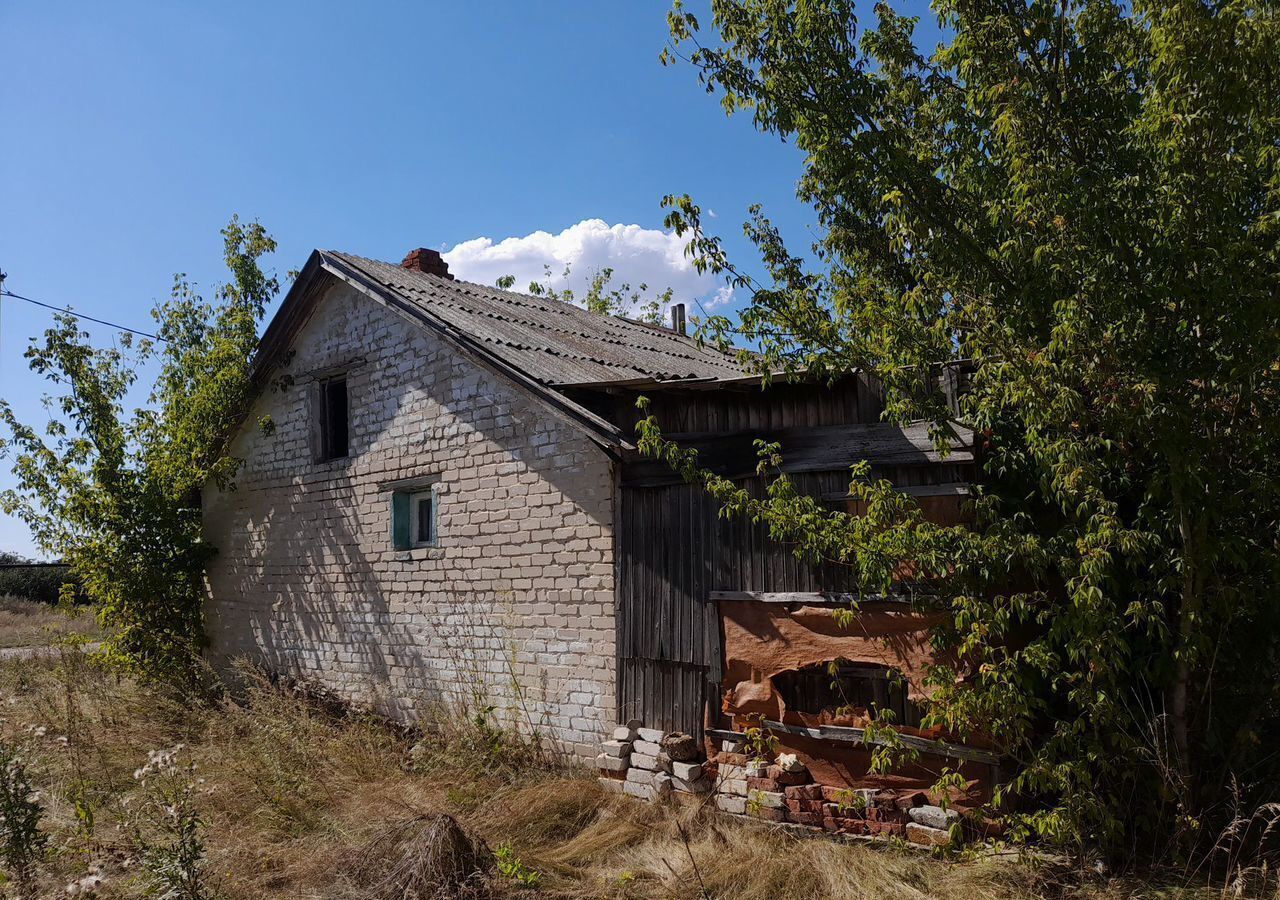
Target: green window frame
pixel 415 516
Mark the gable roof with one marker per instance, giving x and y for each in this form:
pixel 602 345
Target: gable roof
pixel 540 345
pixel 555 343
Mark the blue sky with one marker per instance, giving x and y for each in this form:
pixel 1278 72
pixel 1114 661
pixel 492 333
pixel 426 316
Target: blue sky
pixel 132 132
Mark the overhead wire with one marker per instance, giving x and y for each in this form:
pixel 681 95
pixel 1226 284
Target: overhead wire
pixel 79 315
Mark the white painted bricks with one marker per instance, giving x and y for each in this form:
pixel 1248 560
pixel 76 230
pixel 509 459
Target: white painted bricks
pixel 516 604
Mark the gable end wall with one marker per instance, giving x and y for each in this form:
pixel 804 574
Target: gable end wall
pixel 515 608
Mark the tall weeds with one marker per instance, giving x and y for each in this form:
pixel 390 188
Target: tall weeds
pixel 294 795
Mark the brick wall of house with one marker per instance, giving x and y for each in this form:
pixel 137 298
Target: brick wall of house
pixel 515 606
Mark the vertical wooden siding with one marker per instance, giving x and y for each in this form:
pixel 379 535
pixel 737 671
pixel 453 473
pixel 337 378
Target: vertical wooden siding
pixel 674 549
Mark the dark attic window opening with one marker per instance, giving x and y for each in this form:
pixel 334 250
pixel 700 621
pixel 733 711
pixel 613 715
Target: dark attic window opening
pixel 334 418
pixel 843 687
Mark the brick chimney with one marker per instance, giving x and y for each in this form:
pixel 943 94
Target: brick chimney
pixel 427 261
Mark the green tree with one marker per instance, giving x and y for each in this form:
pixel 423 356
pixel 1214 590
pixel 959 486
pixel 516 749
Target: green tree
pixel 1082 198
pixel 117 496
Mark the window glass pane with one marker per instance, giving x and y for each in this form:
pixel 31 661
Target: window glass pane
pixel 423 534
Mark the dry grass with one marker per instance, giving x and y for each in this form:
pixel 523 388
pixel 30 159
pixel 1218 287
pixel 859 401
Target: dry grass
pixel 301 803
pixel 27 624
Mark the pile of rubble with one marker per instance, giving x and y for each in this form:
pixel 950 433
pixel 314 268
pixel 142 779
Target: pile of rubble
pixel 648 763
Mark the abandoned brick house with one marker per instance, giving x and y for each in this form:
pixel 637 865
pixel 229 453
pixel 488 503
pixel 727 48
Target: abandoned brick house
pixel 448 506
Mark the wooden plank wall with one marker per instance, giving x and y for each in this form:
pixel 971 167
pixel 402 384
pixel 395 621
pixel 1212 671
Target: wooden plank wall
pixel 674 548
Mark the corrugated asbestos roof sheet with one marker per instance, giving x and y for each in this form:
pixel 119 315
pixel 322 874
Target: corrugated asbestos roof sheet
pixel 555 343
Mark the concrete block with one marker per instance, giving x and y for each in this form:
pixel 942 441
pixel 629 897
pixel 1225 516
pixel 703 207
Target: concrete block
pixel 929 837
pixel 648 748
pixel 767 799
pixel 687 771
pixel 641 761
pixel 698 786
pixel 730 771
pixel 736 805
pixel 653 735
pixel 611 785
pixel 616 748
pixel 639 776
pixel 662 785
pixel 642 791
pixel 611 763
pixel 736 786
pixel 623 733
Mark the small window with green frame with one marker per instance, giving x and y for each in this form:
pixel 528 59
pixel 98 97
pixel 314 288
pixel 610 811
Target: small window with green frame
pixel 414 515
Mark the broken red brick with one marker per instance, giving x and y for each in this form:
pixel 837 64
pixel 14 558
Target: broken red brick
pixel 731 759
pixel 830 823
pixel 776 773
pixel 804 792
pixel 806 818
pixel 838 794
pixel 768 814
pixel 853 826
pixel 886 800
pixel 805 806
pixel 762 784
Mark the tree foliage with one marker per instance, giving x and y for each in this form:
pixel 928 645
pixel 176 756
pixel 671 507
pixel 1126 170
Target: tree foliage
pixel 22 577
pixel 1082 199
pixel 602 297
pixel 116 495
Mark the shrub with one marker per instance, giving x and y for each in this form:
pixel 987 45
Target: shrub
pixel 22 843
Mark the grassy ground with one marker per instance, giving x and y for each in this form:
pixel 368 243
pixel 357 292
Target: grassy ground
pixel 27 624
pixel 300 802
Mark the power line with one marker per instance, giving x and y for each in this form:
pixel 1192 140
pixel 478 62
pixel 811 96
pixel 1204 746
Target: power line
pixel 76 315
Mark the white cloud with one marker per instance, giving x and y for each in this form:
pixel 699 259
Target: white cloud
pixel 636 255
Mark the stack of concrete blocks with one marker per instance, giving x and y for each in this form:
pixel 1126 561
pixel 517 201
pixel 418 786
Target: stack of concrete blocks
pixel 650 772
pixel 731 777
pixel 649 763
pixel 688 775
pixel 614 761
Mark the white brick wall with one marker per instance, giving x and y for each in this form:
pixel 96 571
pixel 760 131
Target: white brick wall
pixel 515 607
